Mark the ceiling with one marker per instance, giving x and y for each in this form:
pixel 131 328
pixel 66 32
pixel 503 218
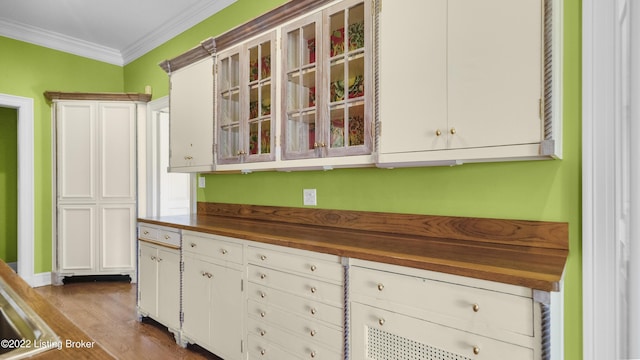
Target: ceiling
pixel 114 31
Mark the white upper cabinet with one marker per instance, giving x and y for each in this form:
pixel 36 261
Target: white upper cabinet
pixel 191 118
pixel 463 80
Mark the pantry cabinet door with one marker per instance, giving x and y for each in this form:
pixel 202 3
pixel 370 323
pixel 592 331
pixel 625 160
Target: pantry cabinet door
pixel 413 76
pixel 494 72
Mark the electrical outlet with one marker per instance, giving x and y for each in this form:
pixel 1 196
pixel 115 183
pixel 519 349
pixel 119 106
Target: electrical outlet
pixel 201 182
pixel 309 197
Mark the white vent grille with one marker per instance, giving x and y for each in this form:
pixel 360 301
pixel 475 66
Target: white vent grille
pixel 382 345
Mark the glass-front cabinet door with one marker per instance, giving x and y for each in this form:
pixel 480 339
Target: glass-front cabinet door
pixel 245 128
pixel 301 76
pixel 327 76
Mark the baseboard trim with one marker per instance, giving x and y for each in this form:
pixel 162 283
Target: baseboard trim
pixel 41 279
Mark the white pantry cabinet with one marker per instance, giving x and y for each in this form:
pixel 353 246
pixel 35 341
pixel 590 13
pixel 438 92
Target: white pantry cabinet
pixel 212 294
pixel 159 276
pixel 464 81
pixel 191 118
pixel 95 147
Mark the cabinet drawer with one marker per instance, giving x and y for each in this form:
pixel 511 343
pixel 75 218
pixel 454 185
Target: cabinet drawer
pixel 298 305
pixel 213 246
pixel 160 236
pixel 381 334
pixel 298 285
pixel 309 334
pixel 261 349
pixel 465 306
pixel 307 263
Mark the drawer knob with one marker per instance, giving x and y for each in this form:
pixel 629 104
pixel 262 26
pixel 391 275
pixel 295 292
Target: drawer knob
pixel 438 132
pixel 262 294
pixel 146 232
pixel 381 321
pixel 380 286
pixel 313 268
pixel 263 257
pixel 262 276
pixel 263 351
pixel 313 354
pixel 262 332
pixel 313 290
pixel 476 307
pixel 193 245
pixel 476 350
pixel 167 237
pixel 153 258
pixel 312 333
pixel 263 314
pixel 159 259
pixel 224 251
pixel 453 131
pixel 313 311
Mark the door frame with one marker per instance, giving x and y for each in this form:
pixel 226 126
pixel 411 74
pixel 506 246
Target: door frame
pixel 24 107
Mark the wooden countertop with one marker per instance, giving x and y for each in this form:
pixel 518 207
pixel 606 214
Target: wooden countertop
pixel 60 324
pixel 526 253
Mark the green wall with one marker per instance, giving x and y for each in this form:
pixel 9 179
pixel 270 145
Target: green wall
pixel 28 70
pixel 8 184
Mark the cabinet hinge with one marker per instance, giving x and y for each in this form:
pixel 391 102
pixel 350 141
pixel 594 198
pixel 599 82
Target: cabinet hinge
pixel 241 346
pixel 540 108
pixel 241 285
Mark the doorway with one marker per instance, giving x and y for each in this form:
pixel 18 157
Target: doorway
pixel 25 213
pixel 167 193
pixel 9 186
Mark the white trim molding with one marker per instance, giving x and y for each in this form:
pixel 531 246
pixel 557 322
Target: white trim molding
pixel 26 203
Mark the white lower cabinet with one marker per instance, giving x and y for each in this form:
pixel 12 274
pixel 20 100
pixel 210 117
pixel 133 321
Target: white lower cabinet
pixel 212 294
pixel 295 307
pixel 405 313
pixel 159 276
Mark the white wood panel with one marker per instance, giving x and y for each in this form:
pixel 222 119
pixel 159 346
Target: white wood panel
pixel 117 236
pixel 196 301
pixel 76 151
pixel 77 237
pixel 148 279
pixel 494 72
pixel 169 287
pixel 117 151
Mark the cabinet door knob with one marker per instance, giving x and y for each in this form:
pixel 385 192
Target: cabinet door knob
pixel 262 332
pixel 380 286
pixel 263 294
pixel 263 257
pixel 262 276
pixel 438 132
pixel 313 354
pixel 313 311
pixel 313 268
pixel 476 350
pixel 153 258
pixel 263 351
pixel 312 333
pixel 224 251
pixel 313 290
pixel 146 232
pixel 381 321
pixel 453 131
pixel 188 157
pixel 193 245
pixel 263 314
pixel 476 307
pixel 159 259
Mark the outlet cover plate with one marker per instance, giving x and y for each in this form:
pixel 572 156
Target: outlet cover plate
pixel 309 197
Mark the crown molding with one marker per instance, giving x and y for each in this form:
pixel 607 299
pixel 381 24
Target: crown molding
pixel 68 44
pixel 172 29
pixel 57 41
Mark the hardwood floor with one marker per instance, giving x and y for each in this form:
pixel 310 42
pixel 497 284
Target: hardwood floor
pixel 106 311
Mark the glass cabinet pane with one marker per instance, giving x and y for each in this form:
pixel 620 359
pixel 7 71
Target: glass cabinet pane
pixel 346 41
pixel 259 90
pixel 300 97
pixel 229 106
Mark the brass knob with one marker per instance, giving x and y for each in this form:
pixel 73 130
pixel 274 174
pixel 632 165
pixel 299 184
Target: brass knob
pixel 262 276
pixel 476 307
pixel 381 322
pixel 146 232
pixel 193 245
pixel 167 237
pixel 263 257
pixel 322 144
pixel 262 332
pixel 380 286
pixel 159 259
pixel 313 311
pixel 313 268
pixel 453 131
pixel 312 333
pixel 224 251
pixel 153 258
pixel 313 290
pixel 313 354
pixel 263 314
pixel 476 350
pixel 438 132
pixel 262 294
pixel 263 351
pixel 315 145
pixel 188 157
